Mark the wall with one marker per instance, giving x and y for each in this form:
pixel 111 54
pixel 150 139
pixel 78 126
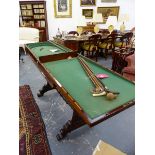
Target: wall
pixel 68 24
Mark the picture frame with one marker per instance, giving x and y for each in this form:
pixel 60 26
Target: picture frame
pixel 108 11
pixel 88 13
pixel 63 8
pixel 87 2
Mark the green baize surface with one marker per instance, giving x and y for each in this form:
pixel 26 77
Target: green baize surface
pixel 43 48
pixel 70 74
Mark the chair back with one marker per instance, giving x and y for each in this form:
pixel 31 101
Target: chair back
pixel 126 38
pixel 104 31
pixel 119 57
pixel 94 39
pixel 73 32
pixel 28 33
pixel 111 38
pixel 87 32
pixel 129 70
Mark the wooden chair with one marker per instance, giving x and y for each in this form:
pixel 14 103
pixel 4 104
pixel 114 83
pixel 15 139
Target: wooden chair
pixel 124 41
pixel 27 35
pixel 129 71
pixel 119 57
pixel 91 46
pixel 107 43
pixel 73 32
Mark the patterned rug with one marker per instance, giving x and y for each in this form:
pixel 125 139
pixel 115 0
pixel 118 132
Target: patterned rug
pixel 32 134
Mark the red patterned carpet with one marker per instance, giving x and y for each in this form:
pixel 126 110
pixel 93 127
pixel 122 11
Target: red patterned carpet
pixel 32 134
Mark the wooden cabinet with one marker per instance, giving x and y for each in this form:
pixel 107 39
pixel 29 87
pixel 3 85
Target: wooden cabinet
pixel 33 14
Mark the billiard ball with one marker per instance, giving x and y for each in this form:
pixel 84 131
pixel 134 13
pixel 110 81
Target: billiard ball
pixel 111 96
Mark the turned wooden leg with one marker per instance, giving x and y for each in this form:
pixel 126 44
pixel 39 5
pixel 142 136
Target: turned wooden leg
pixel 106 53
pixel 97 55
pixel 20 59
pixel 44 89
pixel 71 125
pixel 114 63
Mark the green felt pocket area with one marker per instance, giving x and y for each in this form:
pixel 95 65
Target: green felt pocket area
pixel 46 48
pixel 70 74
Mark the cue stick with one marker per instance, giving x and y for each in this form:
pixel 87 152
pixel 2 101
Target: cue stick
pixel 90 74
pixel 100 87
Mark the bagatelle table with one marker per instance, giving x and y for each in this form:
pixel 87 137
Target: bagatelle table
pixel 64 73
pixel 45 48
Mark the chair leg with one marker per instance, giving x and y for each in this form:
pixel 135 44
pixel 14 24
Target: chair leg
pixel 23 47
pixel 20 56
pixel 82 52
pixel 100 52
pixel 88 54
pixel 20 59
pixel 97 54
pixel 106 53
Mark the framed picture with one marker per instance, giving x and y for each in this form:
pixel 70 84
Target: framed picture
pixel 108 11
pixel 109 1
pixel 87 2
pixel 63 8
pixel 88 13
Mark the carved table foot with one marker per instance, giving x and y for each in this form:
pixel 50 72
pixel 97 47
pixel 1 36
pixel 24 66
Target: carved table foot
pixel 71 125
pixel 44 89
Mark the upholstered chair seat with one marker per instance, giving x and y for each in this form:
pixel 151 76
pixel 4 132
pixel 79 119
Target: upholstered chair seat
pixel 119 44
pixel 105 45
pixel 89 47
